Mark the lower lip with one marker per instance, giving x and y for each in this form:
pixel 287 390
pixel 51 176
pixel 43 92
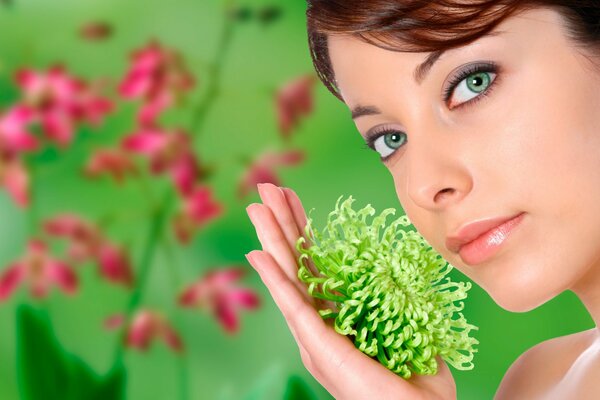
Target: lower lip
pixel 486 245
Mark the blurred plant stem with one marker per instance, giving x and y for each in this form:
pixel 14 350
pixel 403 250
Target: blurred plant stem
pixel 213 88
pixel 173 267
pixel 172 263
pixel 147 189
pixel 156 227
pixel 32 211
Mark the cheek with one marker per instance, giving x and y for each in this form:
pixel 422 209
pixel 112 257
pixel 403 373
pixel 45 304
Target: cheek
pixel 546 164
pixel 553 173
pixel 426 223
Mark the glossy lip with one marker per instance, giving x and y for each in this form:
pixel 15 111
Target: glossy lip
pixel 472 231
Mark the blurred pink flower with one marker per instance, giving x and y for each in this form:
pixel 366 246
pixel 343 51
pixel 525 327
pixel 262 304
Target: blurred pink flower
pixel 167 152
pixel 40 270
pixel 157 75
pixel 292 101
pixel 14 176
pixel 262 170
pixel 114 264
pixel 115 162
pixel 13 129
pixel 88 243
pixel 216 293
pixel 96 30
pixel 197 209
pixel 147 326
pixel 59 101
pixel 93 108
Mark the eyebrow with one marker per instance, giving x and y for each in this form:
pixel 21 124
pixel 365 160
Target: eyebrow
pixel 419 75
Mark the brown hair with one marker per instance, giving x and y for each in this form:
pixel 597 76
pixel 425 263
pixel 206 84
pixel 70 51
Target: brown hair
pixel 432 26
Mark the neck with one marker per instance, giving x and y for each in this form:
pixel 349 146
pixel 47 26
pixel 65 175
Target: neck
pixel 588 290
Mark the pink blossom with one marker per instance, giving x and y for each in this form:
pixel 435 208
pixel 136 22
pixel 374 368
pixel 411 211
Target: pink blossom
pixel 114 264
pixel 13 129
pixel 115 162
pixel 216 293
pixel 88 243
pixel 147 326
pixel 96 30
pixel 292 101
pixel 197 209
pixel 84 237
pixel 40 270
pixel 60 101
pixel 14 176
pixel 114 321
pixel 157 75
pixel 263 169
pixel 92 107
pixel 14 139
pixel 169 152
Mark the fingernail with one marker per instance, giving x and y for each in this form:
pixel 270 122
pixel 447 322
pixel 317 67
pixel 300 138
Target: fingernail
pixel 261 191
pixel 251 210
pixel 250 256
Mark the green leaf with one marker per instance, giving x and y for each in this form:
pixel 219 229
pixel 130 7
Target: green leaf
pixel 46 371
pixel 298 389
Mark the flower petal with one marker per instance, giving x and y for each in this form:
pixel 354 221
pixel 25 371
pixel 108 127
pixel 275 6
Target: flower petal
pixel 152 109
pixel 62 275
pixel 147 142
pixel 13 129
pixel 114 321
pixel 226 315
pixel 58 126
pixel 184 172
pixel 171 338
pixel 142 330
pixel 10 279
pixel 114 264
pixel 243 297
pixel 190 296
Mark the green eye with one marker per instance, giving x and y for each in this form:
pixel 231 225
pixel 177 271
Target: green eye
pixel 478 82
pixel 388 142
pixel 472 86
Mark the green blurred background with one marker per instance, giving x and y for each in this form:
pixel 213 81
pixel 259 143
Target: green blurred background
pixel 256 361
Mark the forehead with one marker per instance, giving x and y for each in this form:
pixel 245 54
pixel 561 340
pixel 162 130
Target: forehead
pixel 363 68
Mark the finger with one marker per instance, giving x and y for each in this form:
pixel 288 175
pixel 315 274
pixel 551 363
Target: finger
pixel 341 367
pixel 274 242
pixel 300 217
pixel 296 309
pixel 297 209
pixel 274 198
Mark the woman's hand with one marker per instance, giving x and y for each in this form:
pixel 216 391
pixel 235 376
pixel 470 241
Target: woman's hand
pixel 331 358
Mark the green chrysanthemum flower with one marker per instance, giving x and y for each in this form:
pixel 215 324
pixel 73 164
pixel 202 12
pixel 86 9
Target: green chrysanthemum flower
pixel 388 291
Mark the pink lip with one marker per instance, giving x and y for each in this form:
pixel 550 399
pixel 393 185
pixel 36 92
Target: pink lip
pixel 478 241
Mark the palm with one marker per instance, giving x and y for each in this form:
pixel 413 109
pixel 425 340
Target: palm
pixel 330 357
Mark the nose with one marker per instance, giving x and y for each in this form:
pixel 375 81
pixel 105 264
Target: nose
pixel 437 174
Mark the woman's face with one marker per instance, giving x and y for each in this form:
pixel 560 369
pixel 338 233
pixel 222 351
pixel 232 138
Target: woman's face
pixel 522 138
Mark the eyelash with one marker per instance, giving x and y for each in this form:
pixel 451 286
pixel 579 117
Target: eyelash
pixel 370 144
pixel 489 67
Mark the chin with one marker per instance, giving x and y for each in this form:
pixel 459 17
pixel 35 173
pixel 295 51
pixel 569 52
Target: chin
pixel 519 299
pixel 516 305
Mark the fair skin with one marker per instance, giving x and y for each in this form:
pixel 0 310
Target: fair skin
pixel 531 146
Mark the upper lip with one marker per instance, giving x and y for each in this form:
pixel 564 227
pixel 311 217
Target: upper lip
pixel 471 231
